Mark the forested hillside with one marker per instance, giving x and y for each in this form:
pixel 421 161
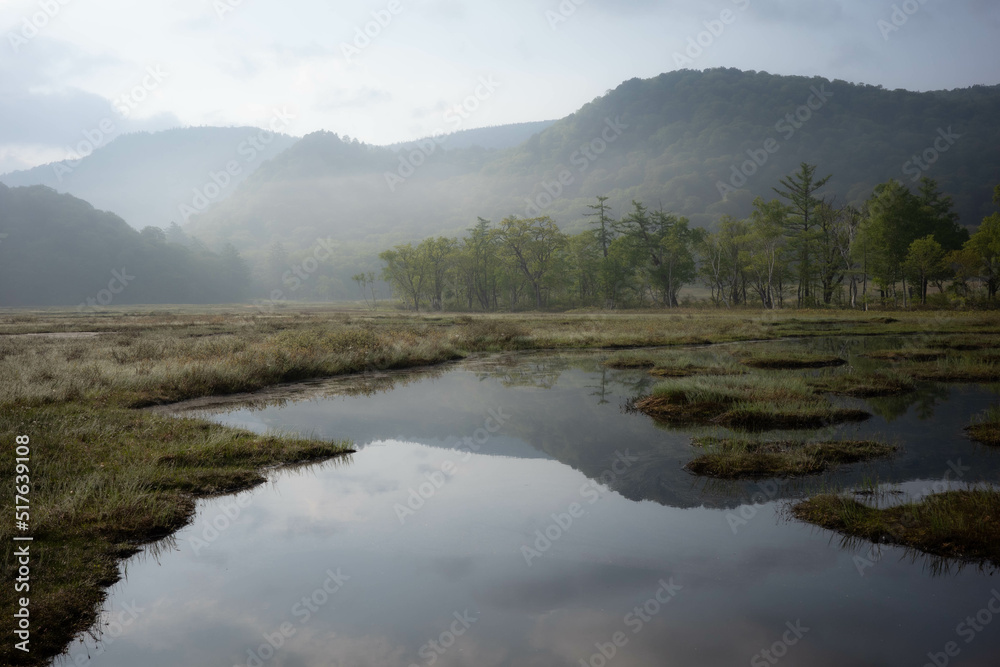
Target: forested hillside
pixel 56 249
pixel 694 145
pixel 498 136
pixel 680 141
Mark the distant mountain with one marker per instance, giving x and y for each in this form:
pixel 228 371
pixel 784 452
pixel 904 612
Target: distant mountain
pixel 159 178
pixel 57 250
pixel 701 144
pixel 498 136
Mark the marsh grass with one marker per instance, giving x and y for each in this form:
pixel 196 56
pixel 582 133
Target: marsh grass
pixel 907 354
pixel 963 525
pixel 956 368
pixel 107 480
pixel 108 477
pixel 746 458
pixel 753 402
pixel 677 363
pixel 790 360
pixel 986 428
pixel 965 342
pixel 865 384
pixel 968 359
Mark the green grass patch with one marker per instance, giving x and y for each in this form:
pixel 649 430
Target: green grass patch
pixel 962 368
pixel 864 385
pixel 743 458
pixel 753 402
pixel 963 525
pixel 907 354
pixel 986 429
pixel 965 342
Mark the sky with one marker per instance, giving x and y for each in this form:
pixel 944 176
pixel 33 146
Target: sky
pixel 74 72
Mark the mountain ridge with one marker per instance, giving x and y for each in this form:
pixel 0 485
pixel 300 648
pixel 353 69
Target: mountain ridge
pixel 683 135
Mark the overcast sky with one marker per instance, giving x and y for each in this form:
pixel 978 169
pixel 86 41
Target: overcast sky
pixel 65 64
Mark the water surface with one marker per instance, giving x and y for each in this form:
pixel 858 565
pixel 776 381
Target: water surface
pixel 506 511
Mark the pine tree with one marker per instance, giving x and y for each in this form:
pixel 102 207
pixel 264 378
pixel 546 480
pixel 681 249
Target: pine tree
pixel 800 190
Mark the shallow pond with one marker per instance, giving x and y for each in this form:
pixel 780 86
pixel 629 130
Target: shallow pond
pixel 507 511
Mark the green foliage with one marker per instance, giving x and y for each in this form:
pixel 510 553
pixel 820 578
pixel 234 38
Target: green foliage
pixel 925 262
pixel 800 190
pixel 981 254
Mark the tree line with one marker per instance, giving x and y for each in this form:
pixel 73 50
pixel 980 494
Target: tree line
pixel 798 249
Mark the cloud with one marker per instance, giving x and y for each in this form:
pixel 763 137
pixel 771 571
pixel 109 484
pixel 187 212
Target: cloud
pixel 41 115
pixel 50 118
pixel 338 100
pixel 819 13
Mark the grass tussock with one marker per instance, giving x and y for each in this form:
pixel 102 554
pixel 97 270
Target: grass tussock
pixel 964 525
pixel 743 458
pixel 865 385
pixel 986 429
pixel 962 368
pixel 791 360
pixel 748 402
pixel 965 359
pixel 907 354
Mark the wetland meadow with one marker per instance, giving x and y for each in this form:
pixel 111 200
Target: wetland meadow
pixel 222 486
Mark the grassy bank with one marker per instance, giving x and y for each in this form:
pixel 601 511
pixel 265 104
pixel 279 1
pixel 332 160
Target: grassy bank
pixel 964 525
pixel 107 477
